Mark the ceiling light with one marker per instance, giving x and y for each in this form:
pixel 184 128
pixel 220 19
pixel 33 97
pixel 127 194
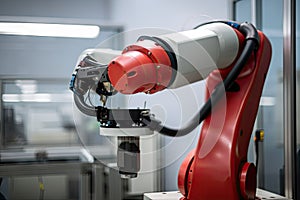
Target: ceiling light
pixel 38 97
pixel 49 30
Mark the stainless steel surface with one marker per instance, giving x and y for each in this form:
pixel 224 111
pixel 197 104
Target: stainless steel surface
pixel 289 94
pixel 98 182
pixel 35 169
pixel 261 194
pixel 85 187
pixel 163 196
pixel 114 182
pixel 75 153
pixel 159 179
pixel 59 161
pixel 58 168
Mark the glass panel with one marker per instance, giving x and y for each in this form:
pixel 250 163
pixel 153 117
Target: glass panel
pixel 37 112
pixel 40 113
pixel 270 116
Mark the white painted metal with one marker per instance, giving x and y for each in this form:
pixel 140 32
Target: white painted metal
pixel 202 50
pixel 260 194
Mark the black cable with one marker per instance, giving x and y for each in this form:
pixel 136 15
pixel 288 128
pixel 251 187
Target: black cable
pixel 251 42
pixel 92 62
pixel 83 107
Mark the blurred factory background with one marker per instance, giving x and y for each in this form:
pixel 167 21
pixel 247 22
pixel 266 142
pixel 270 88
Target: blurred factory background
pixel 50 151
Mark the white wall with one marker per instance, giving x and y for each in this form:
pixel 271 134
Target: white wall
pixel 171 14
pixel 47 57
pixel 87 9
pixel 174 15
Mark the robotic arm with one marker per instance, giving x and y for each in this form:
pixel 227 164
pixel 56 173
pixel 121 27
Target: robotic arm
pixel 233 57
pixel 173 60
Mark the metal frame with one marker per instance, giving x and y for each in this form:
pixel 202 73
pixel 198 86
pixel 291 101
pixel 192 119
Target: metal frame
pixel 289 95
pixel 98 183
pixel 3 80
pixel 256 13
pixel 256 19
pixel 44 169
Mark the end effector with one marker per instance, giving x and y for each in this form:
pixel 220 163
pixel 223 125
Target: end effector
pixel 90 75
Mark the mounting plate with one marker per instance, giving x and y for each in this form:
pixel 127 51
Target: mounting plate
pixel 261 195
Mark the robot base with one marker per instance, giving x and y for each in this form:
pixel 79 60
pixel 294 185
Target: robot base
pixel 260 194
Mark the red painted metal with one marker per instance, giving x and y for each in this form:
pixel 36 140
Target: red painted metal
pixel 185 173
pixel 220 169
pixel 248 181
pixel 141 69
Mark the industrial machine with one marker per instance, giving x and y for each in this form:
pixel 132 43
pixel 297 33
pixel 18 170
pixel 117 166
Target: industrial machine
pixel 233 58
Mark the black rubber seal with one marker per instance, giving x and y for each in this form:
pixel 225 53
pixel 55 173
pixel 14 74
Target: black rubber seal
pixel 168 49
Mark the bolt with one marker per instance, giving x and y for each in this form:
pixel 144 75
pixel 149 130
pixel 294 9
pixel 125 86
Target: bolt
pixel 157 66
pixel 149 53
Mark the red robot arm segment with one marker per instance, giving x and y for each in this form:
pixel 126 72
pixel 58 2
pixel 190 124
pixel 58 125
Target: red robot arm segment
pixel 142 67
pixel 219 166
